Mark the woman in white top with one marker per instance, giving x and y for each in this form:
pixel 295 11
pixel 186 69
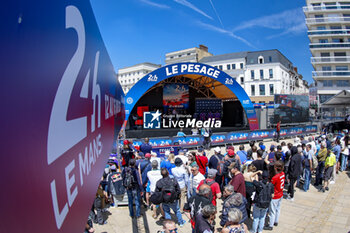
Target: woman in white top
pixel 153 176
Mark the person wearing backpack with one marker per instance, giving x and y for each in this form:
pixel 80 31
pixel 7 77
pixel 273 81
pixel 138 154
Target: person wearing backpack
pixel 275 204
pixel 171 192
pixel 115 185
pixel 134 188
pixel 215 188
pixel 263 194
pixel 217 162
pixel 233 200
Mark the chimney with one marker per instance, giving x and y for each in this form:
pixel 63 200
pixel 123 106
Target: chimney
pixel 296 69
pixel 203 47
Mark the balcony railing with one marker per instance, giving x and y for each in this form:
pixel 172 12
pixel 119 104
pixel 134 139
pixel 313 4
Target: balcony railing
pixel 327 8
pixel 329 59
pixel 327 20
pixel 329 32
pixel 330 45
pixel 330 73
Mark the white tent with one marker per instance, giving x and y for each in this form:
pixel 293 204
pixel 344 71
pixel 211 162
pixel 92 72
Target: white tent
pixel 340 100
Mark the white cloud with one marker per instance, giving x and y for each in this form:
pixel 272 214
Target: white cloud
pixel 293 30
pixel 193 7
pixel 223 31
pixel 284 20
pixel 162 6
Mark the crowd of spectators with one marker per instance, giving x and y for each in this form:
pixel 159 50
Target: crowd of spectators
pixel 252 182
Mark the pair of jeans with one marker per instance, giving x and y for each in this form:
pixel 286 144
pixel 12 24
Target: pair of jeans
pixel 344 161
pixel 319 173
pixel 307 179
pixel 259 215
pixel 134 194
pixel 274 211
pixel 175 207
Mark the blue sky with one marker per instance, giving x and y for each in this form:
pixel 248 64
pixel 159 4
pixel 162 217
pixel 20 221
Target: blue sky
pixel 136 31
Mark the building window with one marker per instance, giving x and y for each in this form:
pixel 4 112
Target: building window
pixel 216 67
pixel 336 27
pixel 321 28
pixel 252 74
pixel 261 74
pixel 242 80
pixel 340 68
pixel 337 40
pixel 270 73
pixel 342 83
pixel 252 88
pixel 261 60
pixel 327 83
pixel 180 55
pixel 271 89
pixel 188 54
pixel 233 66
pixel 262 89
pixel 241 65
pixel 323 40
pixel 220 67
pixel 270 59
pixel 171 57
pixel 228 66
pixel 324 98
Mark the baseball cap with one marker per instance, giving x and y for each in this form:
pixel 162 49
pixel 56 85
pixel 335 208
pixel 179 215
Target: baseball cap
pixel 263 147
pixel 212 172
pixel 217 149
pixel 272 147
pixel 126 142
pixel 178 162
pixel 147 155
pixel 231 152
pixel 200 149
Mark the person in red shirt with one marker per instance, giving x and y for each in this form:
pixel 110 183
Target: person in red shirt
pixel 278 131
pixel 215 187
pixel 275 205
pixel 202 162
pixel 238 179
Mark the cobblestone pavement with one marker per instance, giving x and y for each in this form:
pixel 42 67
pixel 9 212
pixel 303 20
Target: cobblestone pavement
pixel 311 211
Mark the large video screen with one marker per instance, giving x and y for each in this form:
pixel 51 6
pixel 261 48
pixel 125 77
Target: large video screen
pixel 175 96
pixel 291 108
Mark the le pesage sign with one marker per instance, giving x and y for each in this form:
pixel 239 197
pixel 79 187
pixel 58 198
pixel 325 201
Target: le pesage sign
pixel 62 110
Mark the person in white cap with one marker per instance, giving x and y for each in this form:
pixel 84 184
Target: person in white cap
pixel 154 157
pixel 182 156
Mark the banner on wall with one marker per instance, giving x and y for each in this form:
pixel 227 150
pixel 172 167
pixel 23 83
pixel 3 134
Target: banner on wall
pixel 225 138
pixel 56 71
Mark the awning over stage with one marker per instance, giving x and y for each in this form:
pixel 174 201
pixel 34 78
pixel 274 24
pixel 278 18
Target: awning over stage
pixel 203 84
pixel 340 100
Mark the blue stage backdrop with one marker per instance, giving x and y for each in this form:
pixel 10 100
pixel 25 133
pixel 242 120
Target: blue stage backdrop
pixel 61 106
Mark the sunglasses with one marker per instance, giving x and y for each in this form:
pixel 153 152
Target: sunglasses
pixel 173 230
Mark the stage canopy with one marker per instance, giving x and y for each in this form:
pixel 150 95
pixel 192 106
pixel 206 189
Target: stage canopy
pixel 209 80
pixel 340 100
